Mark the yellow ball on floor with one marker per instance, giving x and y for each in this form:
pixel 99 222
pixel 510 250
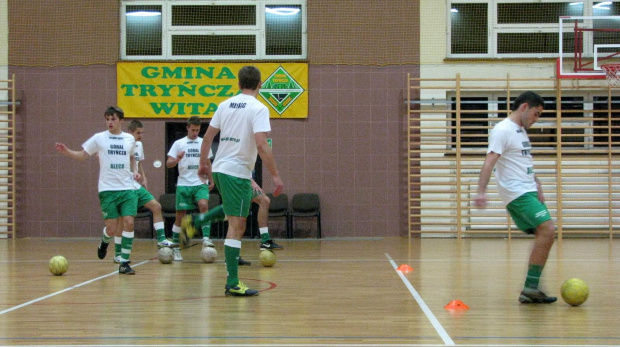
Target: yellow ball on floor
pixel 575 291
pixel 58 265
pixel 267 258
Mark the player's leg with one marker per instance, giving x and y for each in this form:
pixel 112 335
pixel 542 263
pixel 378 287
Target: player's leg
pixel 236 197
pixel 263 221
pixel 128 201
pixel 110 215
pixel 202 200
pixel 532 216
pixel 147 200
pixel 118 234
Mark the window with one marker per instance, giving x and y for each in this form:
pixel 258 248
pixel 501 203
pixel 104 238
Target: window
pixel 523 28
pixel 480 114
pixel 602 121
pixel 213 30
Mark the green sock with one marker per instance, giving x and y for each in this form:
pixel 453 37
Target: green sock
pixel 176 231
pixel 232 264
pixel 215 214
pixel 117 245
pixel 206 230
pixel 533 276
pixel 264 234
pixel 106 238
pixel 127 244
pixel 161 233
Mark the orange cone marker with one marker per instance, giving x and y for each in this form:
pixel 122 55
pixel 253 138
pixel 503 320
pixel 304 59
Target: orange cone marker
pixel 456 305
pixel 404 268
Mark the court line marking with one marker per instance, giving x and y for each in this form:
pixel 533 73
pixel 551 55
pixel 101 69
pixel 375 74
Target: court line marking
pixel 64 290
pixel 429 314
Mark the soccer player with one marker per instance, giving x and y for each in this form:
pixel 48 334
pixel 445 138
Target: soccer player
pixel 191 190
pixel 145 198
pixel 117 193
pixel 519 188
pixel 244 123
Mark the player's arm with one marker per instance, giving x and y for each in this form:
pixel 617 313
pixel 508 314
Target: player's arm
pixel 172 161
pixel 204 170
pixel 77 155
pixel 485 176
pixel 264 150
pixel 142 174
pixel 134 165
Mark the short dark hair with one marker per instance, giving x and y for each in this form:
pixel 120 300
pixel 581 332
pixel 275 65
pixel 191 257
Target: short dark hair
pixel 249 77
pixel 193 120
pixel 113 110
pixel 135 124
pixel 530 98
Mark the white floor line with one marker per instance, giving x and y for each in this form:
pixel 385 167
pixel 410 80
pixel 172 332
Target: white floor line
pixel 64 290
pixel 431 317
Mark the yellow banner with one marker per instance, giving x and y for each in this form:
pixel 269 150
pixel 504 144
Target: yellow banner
pixel 182 90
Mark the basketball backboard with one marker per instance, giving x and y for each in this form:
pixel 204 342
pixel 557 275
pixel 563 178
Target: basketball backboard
pixel 586 43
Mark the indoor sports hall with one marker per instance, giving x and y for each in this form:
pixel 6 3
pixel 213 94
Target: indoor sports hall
pixel 380 111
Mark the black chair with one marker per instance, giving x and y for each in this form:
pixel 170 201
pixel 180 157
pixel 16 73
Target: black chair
pixel 168 210
pixel 278 207
pixel 144 212
pixel 306 205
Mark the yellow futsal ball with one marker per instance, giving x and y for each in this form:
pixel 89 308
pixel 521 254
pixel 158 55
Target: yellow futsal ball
pixel 575 291
pixel 267 258
pixel 58 265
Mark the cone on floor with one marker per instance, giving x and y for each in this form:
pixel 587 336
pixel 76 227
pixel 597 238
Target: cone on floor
pixel 404 268
pixel 456 305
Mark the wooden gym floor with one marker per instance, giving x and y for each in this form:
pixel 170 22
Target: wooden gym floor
pixel 333 292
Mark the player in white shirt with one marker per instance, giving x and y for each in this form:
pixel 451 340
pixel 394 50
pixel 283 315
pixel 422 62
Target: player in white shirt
pixel 145 198
pixel 510 151
pixel 243 124
pixel 191 191
pixel 117 193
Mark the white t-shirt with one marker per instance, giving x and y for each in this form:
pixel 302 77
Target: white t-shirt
pixel 114 153
pixel 188 166
pixel 238 119
pixel 139 156
pixel 515 167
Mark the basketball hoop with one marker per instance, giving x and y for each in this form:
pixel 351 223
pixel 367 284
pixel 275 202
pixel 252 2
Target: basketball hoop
pixel 612 73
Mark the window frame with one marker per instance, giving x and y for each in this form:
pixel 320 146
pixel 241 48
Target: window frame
pixel 258 30
pixel 494 28
pixel 494 100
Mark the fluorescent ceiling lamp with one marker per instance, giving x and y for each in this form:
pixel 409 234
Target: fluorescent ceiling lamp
pixel 143 14
pixel 601 4
pixel 454 10
pixel 576 3
pixel 282 11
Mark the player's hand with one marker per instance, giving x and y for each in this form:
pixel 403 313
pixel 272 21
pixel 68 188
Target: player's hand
pixel 278 185
pixel 481 200
pixel 60 147
pixel 180 155
pixel 137 176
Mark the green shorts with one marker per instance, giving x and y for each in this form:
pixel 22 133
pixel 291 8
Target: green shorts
pixel 118 203
pixel 236 194
pixel 144 196
pixel 528 212
pixel 187 197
